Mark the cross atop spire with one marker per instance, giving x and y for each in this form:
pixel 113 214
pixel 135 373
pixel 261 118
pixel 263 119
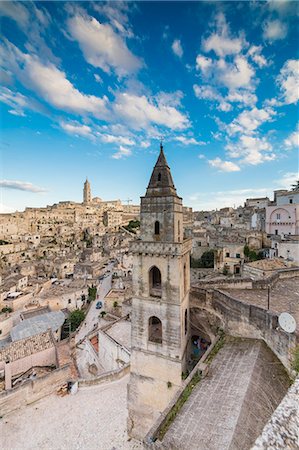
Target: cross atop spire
pixel 161 183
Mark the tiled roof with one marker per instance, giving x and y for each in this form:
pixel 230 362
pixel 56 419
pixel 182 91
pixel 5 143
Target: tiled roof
pixel 26 347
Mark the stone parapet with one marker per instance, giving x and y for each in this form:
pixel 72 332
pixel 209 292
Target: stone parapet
pixel 161 248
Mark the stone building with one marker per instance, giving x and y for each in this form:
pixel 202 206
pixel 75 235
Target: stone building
pixel 282 217
pixel 160 303
pixel 86 192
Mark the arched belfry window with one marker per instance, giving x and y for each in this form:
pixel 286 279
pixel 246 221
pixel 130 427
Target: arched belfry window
pixel 159 176
pixel 155 286
pixel 157 228
pixel 155 330
pixel 186 321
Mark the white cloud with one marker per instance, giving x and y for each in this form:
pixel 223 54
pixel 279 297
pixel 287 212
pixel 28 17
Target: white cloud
pixel 189 141
pixel 241 96
pixel 252 150
pixel 224 166
pixel 21 186
pixel 288 179
pixel 220 42
pixel 117 13
pixel 122 153
pixel 248 121
pixel 141 112
pixel 203 63
pixel 15 11
pixel 274 30
pixel 236 75
pixel 52 84
pixel 145 144
pixel 288 81
pixel 177 48
pixel 292 140
pixel 15 100
pixel 255 53
pixel 102 46
pixel 111 139
pixel 77 129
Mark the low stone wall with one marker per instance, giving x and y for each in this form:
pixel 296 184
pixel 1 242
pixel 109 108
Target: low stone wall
pixel 244 320
pixel 32 390
pixel 229 283
pixel 107 376
pixel 150 441
pixel 281 432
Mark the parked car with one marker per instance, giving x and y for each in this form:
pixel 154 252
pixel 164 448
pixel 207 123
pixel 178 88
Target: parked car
pixel 99 305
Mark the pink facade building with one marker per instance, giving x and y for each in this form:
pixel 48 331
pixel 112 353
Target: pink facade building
pixel 282 218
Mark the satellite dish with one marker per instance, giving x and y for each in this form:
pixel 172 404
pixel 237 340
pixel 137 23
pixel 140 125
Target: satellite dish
pixel 287 322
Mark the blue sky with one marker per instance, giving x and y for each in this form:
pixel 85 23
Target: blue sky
pixel 88 89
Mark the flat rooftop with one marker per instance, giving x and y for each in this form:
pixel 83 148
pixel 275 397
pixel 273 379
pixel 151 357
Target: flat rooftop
pixel 284 297
pixel 37 324
pixel 228 409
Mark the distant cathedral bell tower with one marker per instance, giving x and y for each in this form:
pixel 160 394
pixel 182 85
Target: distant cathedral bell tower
pixel 160 303
pixel 86 192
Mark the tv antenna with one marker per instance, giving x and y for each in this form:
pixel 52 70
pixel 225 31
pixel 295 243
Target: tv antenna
pixel 287 322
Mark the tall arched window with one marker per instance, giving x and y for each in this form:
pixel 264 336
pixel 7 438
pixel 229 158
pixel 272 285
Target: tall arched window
pixel 155 330
pixel 159 176
pixel 157 228
pixel 155 286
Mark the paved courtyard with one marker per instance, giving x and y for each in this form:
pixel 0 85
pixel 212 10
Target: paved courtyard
pixel 229 408
pixel 93 419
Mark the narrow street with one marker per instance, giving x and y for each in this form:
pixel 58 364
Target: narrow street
pixel 92 318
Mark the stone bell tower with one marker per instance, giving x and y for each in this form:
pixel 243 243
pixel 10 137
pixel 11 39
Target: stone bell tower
pixel 86 192
pixel 160 303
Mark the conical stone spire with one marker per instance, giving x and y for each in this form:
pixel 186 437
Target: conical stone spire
pixel 161 182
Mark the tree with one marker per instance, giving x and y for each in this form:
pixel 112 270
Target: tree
pixel 246 251
pixel 92 293
pixel 75 318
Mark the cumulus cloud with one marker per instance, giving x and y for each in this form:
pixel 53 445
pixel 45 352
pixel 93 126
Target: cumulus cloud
pixel 274 30
pixel 177 48
pixel 52 84
pixel 141 112
pixel 77 129
pixel 255 53
pixel 123 152
pixel 21 186
pixel 203 63
pixel 188 140
pixel 111 139
pixel 248 121
pixel 292 141
pixel 224 166
pixel 288 81
pixel 102 46
pixel 251 149
pixel 240 96
pixel 220 42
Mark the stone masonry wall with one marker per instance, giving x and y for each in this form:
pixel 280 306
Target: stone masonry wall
pixel 33 390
